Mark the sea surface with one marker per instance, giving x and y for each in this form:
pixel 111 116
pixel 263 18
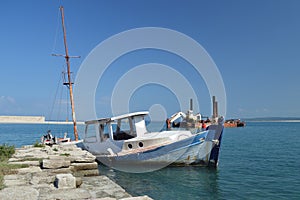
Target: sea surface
pixel 259 161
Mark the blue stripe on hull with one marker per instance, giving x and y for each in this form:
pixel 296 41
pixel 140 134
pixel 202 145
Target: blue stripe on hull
pixel 184 152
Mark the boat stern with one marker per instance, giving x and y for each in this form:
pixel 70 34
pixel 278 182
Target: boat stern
pixel 215 135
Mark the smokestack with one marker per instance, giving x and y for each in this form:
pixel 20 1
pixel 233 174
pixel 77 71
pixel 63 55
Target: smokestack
pixel 191 104
pixel 213 104
pixel 215 107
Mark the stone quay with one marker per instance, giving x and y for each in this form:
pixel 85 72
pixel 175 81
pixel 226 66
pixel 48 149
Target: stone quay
pixel 59 172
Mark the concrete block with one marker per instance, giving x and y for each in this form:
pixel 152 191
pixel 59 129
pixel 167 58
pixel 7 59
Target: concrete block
pixel 138 198
pixel 55 163
pixel 89 172
pixel 78 182
pixel 65 181
pixel 84 166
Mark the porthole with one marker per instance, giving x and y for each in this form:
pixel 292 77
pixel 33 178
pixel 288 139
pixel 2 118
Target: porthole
pixel 141 144
pixel 130 146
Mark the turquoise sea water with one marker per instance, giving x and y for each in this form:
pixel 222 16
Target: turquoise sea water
pixel 259 161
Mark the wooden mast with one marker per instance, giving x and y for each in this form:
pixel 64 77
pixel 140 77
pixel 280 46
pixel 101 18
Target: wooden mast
pixel 67 57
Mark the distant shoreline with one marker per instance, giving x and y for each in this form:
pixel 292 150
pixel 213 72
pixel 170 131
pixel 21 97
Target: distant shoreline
pixel 30 120
pixel 45 122
pixel 41 120
pixel 274 121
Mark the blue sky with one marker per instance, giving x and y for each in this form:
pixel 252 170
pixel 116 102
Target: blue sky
pixel 255 45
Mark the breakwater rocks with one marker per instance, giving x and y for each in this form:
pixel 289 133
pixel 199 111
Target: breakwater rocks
pixel 59 172
pixel 22 119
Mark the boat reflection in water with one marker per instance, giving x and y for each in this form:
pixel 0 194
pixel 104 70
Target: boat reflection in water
pixel 188 182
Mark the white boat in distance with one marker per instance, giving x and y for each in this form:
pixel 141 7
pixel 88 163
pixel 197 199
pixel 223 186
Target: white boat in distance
pixel 123 143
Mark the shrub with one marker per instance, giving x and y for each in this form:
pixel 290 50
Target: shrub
pixel 6 152
pixel 65 154
pixel 37 144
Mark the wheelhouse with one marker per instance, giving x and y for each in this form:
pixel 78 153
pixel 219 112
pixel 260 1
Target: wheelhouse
pixel 118 128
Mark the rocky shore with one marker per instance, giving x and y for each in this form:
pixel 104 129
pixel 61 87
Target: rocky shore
pixel 59 172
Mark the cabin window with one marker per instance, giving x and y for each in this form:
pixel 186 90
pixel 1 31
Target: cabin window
pixel 104 132
pixel 123 129
pixel 90 133
pixel 140 126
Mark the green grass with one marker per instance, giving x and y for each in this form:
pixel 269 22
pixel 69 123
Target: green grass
pixel 6 152
pixel 1 182
pixel 5 168
pixel 37 144
pixel 65 154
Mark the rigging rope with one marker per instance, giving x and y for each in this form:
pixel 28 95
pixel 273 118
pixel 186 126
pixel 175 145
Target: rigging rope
pixel 59 105
pixel 56 32
pixel 59 84
pixel 54 100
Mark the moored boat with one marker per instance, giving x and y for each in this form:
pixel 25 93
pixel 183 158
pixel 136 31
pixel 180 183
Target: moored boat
pixel 234 123
pixel 124 143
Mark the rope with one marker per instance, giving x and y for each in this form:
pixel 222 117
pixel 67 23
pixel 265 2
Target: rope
pixel 59 112
pixel 54 100
pixel 56 32
pixel 59 105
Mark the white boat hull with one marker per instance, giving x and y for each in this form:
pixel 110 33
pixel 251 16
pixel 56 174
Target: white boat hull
pixel 123 143
pixel 200 149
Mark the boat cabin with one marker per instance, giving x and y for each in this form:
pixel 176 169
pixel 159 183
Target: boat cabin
pixel 126 133
pixel 122 127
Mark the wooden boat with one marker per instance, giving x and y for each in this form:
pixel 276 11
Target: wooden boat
pixel 124 143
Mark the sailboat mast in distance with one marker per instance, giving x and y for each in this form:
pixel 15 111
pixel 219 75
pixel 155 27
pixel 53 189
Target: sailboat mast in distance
pixel 69 84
